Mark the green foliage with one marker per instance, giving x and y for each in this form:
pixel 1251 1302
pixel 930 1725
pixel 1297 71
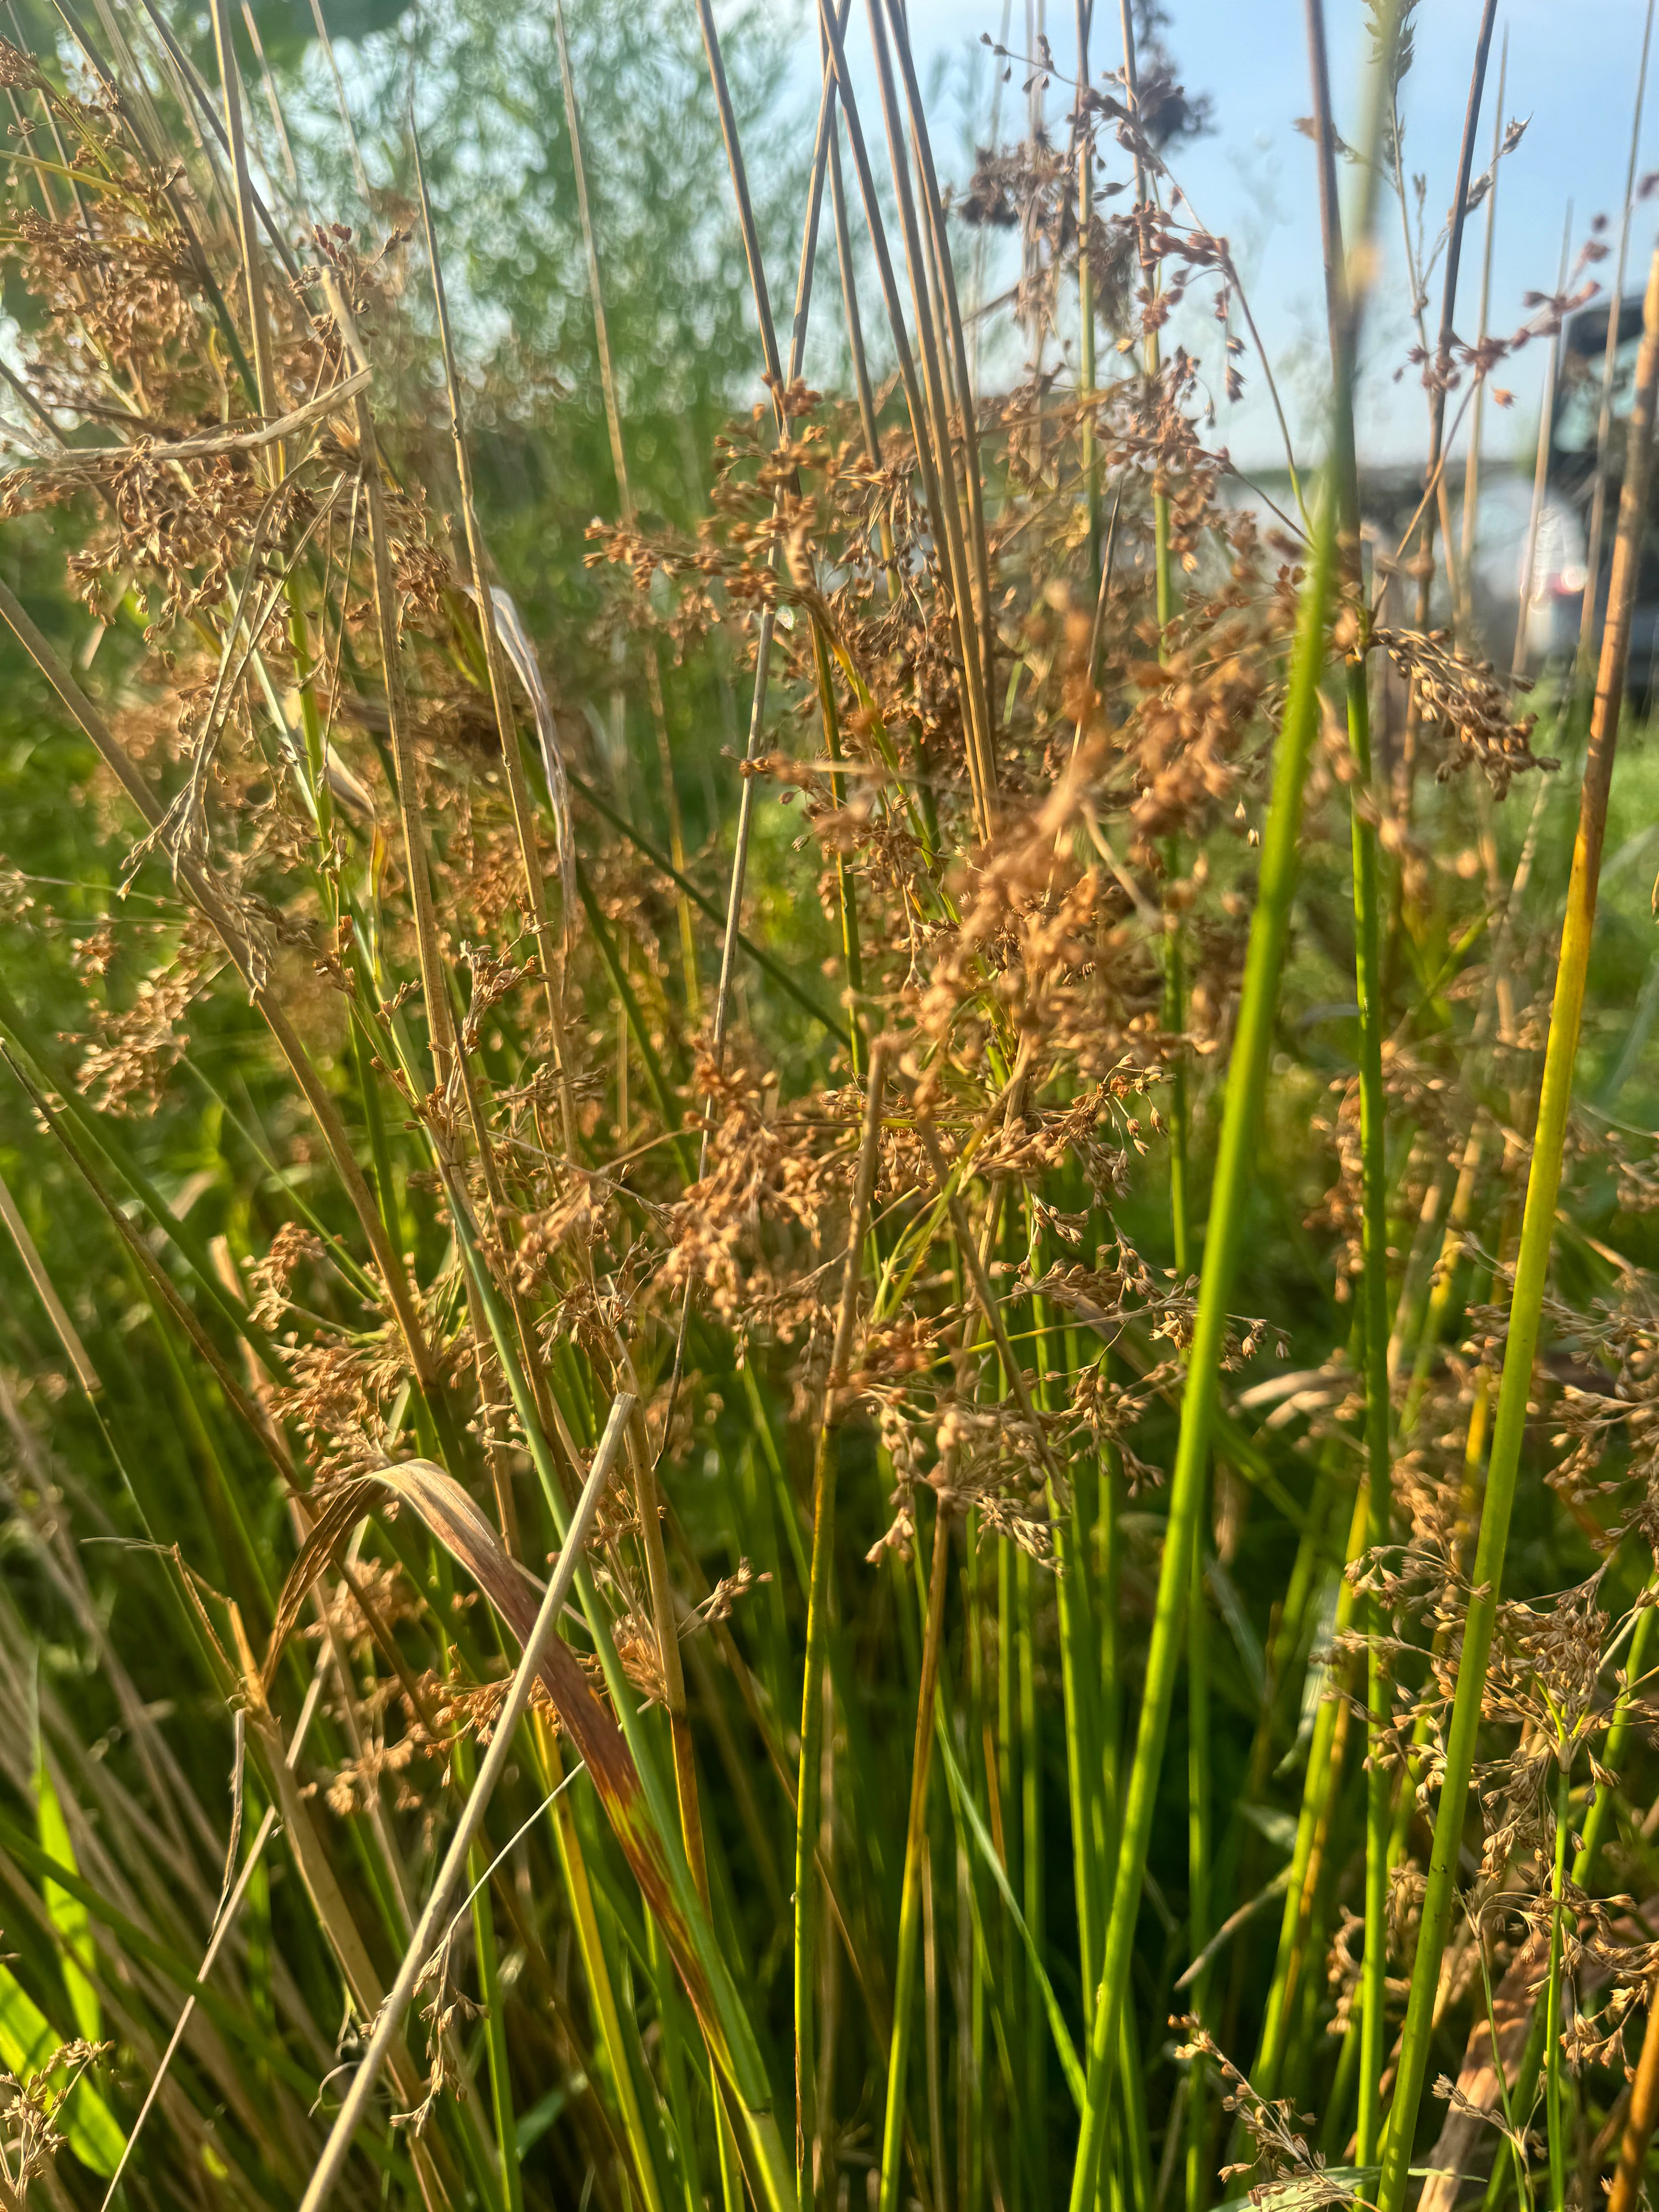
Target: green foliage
pixel 304 1281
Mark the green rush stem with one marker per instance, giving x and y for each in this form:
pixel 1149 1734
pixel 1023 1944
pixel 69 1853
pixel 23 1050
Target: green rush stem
pixel 1135 2147
pixel 1512 2102
pixel 1161 535
pixel 1200 1847
pixel 846 890
pixel 311 721
pixel 1085 299
pixel 1613 1748
pixel 1337 2104
pixel 602 1995
pixel 666 1104
pixel 1109 1561
pixel 1199 1835
pixel 1318 1785
pixel 660 860
pixel 820 1579
pixel 620 1943
pixel 1555 2095
pixel 1151 275
pixel 1343 292
pixel 1132 2146
pixel 1174 1023
pixel 675 2044
pixel 363 1283
pixel 1374 1298
pixel 971 2180
pixel 915 1845
pixel 386 1189
pixel 489 1992
pixel 1002 1778
pixel 1035 2084
pixel 1078 1689
pixel 1373 1139
pixel 1532 1268
pixel 977 717
pixel 1235 1174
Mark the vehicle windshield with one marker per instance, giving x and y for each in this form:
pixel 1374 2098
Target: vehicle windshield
pixel 1579 407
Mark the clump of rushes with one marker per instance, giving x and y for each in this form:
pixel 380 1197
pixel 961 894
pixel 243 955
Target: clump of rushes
pixel 823 1087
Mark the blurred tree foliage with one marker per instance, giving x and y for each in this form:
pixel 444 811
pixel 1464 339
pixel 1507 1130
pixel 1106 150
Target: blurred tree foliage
pixel 489 109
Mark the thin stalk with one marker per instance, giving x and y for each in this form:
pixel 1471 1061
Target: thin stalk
pixel 809 1783
pixel 46 1291
pixel 1373 1133
pixel 1201 1856
pixel 1319 1786
pixel 1555 2105
pixel 1541 469
pixel 977 719
pixel 279 123
pixel 252 280
pixel 957 365
pixel 1162 569
pixel 625 500
pixel 1072 1521
pixel 595 289
pixel 1472 465
pixel 1198 1690
pixel 849 296
pixel 846 887
pixel 930 2014
pixel 933 455
pixel 500 697
pixel 435 989
pixel 1085 291
pixel 490 1996
pixel 973 2055
pixel 1598 515
pixel 1034 2085
pixel 1440 378
pixel 601 1988
pixel 1002 1780
pixel 1234 1174
pixel 341 104
pixel 861 382
pixel 1174 1025
pixel 915 1844
pixel 779 385
pixel 1526 1305
pixel 674 2046
pixel 1615 1744
pixel 773 969
pixel 925 460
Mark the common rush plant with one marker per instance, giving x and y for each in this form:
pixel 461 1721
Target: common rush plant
pixel 1064 1277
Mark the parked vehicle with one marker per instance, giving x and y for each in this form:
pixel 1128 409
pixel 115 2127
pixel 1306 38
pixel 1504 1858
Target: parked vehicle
pixel 1560 572
pixel 1497 572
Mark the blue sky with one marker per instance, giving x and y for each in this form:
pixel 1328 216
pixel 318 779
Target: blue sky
pixel 1572 69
